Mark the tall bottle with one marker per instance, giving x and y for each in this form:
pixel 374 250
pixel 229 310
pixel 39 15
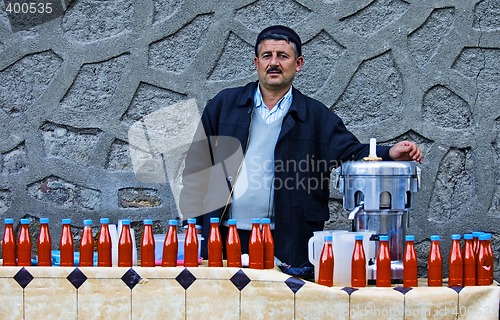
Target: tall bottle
pixel 44 244
pixel 191 245
pixel 9 243
pixel 87 245
pixel 104 246
pixel 326 262
pixel 484 262
pixel 148 245
pixel 267 238
pixel 435 263
pixel 469 258
pixel 125 245
pixel 410 264
pixel 383 263
pixel 455 263
pixel 233 245
pixel 170 245
pixel 24 244
pixel 256 246
pixel 358 263
pixel 66 245
pixel 214 244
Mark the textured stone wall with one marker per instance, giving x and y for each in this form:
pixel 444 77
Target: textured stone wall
pixel 72 87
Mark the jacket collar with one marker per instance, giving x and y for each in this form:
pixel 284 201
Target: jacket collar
pixel 298 107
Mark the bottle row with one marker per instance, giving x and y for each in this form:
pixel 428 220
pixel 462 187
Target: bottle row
pixel 469 264
pixel 18 251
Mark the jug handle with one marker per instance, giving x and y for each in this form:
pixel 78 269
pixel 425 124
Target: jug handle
pixel 310 254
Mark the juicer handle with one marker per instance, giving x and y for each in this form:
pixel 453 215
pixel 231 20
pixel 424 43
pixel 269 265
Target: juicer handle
pixel 419 178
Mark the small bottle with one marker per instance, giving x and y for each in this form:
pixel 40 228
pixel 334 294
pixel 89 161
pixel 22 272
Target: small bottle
pixel 484 261
pixel 214 244
pixel 233 245
pixel 469 261
pixel 66 245
pixel 104 246
pixel 256 246
pixel 24 244
pixel 191 245
pixel 170 245
pixel 44 244
pixel 435 263
pixel 148 245
pixel 326 262
pixel 125 245
pixel 358 263
pixel 9 243
pixel 410 264
pixel 267 238
pixel 87 245
pixel 383 263
pixel 455 263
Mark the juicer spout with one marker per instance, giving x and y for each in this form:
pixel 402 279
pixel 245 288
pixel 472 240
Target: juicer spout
pixel 356 210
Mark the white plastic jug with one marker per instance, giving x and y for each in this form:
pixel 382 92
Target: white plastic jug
pixel 315 245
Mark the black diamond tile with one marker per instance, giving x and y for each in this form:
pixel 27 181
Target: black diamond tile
pixel 294 284
pixel 131 278
pixel 240 280
pixel 349 290
pixel 457 289
pixel 185 278
pixel 23 277
pixel 77 278
pixel 402 290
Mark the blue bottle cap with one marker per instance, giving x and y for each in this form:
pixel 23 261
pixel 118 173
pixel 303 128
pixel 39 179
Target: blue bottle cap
pixel 125 222
pixel 192 220
pixel 484 236
pixel 9 221
pixel 214 220
pixel 358 237
pixel 104 220
pixel 455 237
pixel 25 221
pixel 232 222
pixel 468 236
pixel 410 237
pixel 265 221
pixel 66 221
pixel 476 234
pixel 148 221
pixel 435 237
pixel 328 237
pixel 44 220
pixel 87 222
pixel 256 220
pixel 383 238
pixel 172 222
pixel 198 227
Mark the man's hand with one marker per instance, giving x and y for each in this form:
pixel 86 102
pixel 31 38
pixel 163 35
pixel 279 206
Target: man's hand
pixel 406 151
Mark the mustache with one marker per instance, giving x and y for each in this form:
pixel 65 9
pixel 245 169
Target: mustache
pixel 271 69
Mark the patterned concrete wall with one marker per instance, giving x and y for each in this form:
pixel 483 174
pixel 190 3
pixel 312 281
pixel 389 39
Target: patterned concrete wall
pixel 72 87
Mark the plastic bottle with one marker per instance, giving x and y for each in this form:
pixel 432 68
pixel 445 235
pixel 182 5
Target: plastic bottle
pixel 469 261
pixel 410 263
pixel 484 261
pixel 66 245
pixel 9 243
pixel 125 245
pixel 455 263
pixel 233 245
pixel 267 238
pixel 256 246
pixel 214 244
pixel 44 244
pixel 383 263
pixel 191 245
pixel 170 245
pixel 326 263
pixel 24 244
pixel 435 263
pixel 148 245
pixel 87 245
pixel 358 263
pixel 104 245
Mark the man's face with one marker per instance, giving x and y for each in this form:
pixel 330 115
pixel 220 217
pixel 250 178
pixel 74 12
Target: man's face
pixel 277 64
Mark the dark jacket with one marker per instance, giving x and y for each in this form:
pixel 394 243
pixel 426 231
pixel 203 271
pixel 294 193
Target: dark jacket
pixel 313 140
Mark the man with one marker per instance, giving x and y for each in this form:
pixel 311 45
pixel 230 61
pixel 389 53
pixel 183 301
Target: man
pixel 289 142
